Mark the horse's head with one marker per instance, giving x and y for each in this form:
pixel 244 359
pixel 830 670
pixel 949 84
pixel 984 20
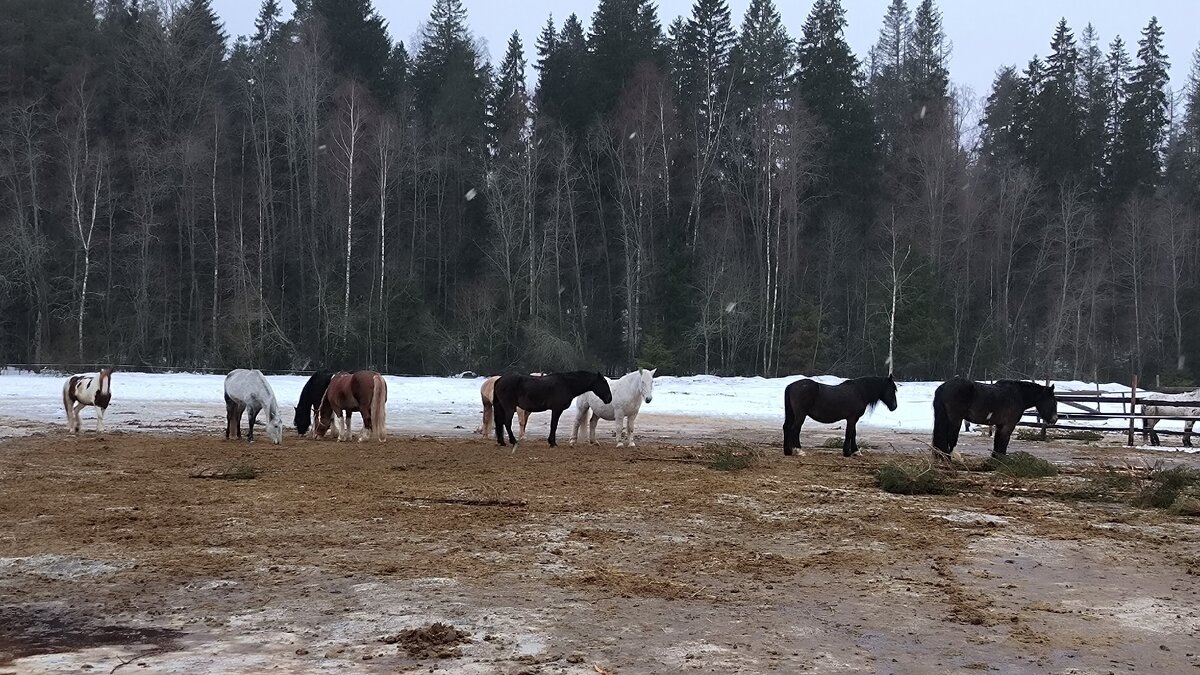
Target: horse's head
pixel 302 420
pixel 275 430
pixel 600 388
pixel 889 393
pixel 1047 406
pixel 647 384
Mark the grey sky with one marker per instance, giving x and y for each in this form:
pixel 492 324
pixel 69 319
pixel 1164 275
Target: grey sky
pixel 985 34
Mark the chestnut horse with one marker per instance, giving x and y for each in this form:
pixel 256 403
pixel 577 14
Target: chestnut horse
pixel 363 392
pixel 83 390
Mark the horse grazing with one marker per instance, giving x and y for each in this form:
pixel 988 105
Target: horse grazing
pixel 627 396
pixel 81 391
pixel 248 391
pixel 1184 410
pixel 1000 405
pixel 363 392
pixel 832 403
pixel 553 392
pixel 310 399
pixel 485 393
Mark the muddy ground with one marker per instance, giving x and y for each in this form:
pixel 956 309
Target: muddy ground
pixel 143 553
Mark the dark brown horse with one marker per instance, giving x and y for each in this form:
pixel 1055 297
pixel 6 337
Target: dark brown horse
pixel 310 399
pixel 832 403
pixel 363 392
pixel 553 392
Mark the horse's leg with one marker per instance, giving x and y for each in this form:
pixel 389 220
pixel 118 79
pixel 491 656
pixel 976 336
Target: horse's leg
pixel 619 421
pixel 592 424
pixel 78 417
pixel 630 420
pixel 251 417
pixel 1187 433
pixel 954 434
pixel 502 418
pixel 523 419
pixel 850 444
pixel 1153 434
pixel 1003 433
pixel 486 428
pixel 229 407
pixel 554 415
pixel 365 412
pixel 581 415
pixel 99 420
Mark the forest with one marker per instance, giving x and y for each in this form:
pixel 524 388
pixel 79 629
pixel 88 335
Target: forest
pixel 701 194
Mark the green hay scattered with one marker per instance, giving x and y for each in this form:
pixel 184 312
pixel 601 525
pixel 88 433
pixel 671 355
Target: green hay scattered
pixel 1021 465
pixel 836 442
pixel 910 479
pixel 731 456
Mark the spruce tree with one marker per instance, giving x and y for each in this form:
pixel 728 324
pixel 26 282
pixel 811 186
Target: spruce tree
pixel 624 35
pixel 926 56
pixel 359 40
pixel 1094 92
pixel 450 81
pixel 1055 119
pixel 762 58
pixel 830 85
pixel 510 106
pixel 888 63
pixel 1002 139
pixel 1142 120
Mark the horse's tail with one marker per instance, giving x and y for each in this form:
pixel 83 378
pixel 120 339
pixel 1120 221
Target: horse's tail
pixel 789 422
pixel 941 423
pixel 379 408
pixel 67 403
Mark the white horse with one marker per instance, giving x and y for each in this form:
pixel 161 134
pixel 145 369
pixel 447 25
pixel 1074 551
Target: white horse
pixel 627 396
pixel 248 390
pixel 1192 397
pixel 83 390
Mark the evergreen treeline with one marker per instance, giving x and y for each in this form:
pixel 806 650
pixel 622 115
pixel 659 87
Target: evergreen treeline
pixel 702 196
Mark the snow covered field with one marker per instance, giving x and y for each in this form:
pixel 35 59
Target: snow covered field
pixel 444 406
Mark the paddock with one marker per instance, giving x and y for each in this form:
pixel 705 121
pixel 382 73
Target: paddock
pixel 178 552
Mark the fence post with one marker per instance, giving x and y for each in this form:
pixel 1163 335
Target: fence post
pixel 1132 409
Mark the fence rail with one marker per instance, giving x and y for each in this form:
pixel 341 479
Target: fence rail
pixel 1129 403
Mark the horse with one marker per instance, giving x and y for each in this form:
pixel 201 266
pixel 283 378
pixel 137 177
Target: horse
pixel 832 403
pixel 627 396
pixel 80 391
pixel 553 392
pixel 1171 411
pixel 363 392
pixel 1000 404
pixel 310 399
pixel 248 390
pixel 485 393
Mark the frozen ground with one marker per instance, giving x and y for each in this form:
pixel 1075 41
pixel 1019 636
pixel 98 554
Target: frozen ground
pixel 448 407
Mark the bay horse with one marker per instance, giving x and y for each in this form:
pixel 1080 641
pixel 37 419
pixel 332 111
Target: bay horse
pixel 248 391
pixel 310 399
pixel 363 392
pixel 553 392
pixel 627 396
pixel 1000 405
pixel 832 403
pixel 485 394
pixel 80 391
pixel 1182 410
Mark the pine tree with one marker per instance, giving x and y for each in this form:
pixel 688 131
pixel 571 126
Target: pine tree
pixel 510 106
pixel 1142 120
pixel 926 56
pixel 624 35
pixel 831 86
pixel 762 58
pixel 359 41
pixel 888 62
pixel 1094 92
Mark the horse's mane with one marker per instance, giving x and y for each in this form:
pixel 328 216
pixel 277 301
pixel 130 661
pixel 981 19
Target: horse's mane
pixel 1030 391
pixel 872 387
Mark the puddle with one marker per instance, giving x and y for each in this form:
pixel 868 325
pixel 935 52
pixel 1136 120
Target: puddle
pixel 27 631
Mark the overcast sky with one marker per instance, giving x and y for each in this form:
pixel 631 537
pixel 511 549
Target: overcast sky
pixel 985 34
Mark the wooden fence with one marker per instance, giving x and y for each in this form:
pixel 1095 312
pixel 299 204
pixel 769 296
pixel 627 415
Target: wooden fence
pixel 1087 407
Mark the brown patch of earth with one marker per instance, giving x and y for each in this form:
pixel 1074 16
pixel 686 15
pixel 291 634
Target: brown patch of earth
pixel 571 560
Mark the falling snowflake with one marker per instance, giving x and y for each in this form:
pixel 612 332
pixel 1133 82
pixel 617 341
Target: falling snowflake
pixel 471 194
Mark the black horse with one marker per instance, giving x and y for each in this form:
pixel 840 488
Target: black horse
pixel 827 404
pixel 310 399
pixel 1000 405
pixel 553 392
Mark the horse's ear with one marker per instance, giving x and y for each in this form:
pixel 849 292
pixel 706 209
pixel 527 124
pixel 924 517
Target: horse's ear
pixel 1051 387
pixel 891 378
pixel 653 371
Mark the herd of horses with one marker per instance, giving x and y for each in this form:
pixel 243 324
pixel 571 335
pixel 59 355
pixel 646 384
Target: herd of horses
pixel 329 399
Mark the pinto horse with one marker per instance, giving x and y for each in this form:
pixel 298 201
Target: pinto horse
pixel 81 391
pixel 553 392
pixel 1000 405
pixel 832 403
pixel 310 399
pixel 485 394
pixel 363 392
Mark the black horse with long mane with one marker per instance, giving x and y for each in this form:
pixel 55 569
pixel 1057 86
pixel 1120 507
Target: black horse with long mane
pixel 1000 405
pixel 827 404
pixel 310 399
pixel 553 392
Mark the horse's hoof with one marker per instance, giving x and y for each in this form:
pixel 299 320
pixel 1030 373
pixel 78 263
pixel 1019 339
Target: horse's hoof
pixel 632 444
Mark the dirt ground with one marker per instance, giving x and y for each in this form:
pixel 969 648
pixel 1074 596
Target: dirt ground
pixel 136 552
